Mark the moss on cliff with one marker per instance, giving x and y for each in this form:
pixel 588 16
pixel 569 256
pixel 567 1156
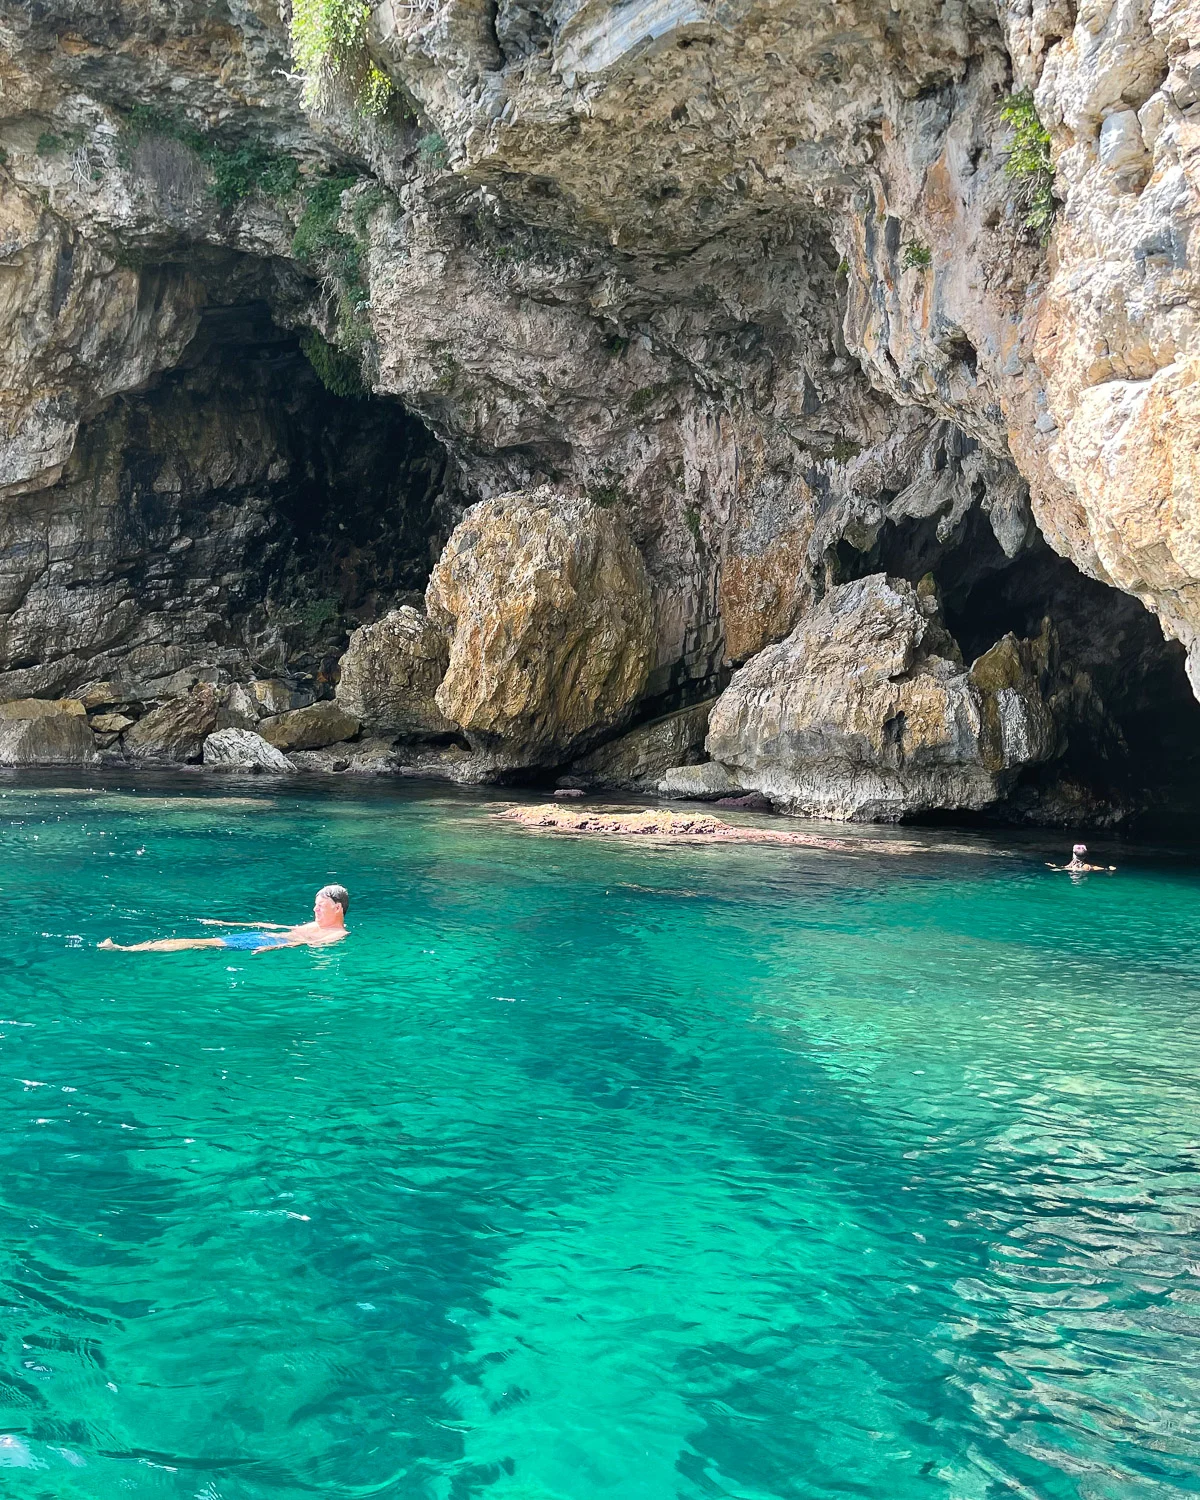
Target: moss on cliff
pixel 236 171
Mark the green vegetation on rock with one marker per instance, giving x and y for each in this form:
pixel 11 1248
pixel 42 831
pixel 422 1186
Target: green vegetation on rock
pixel 1028 164
pixel 338 371
pixel 236 171
pixel 329 41
pixel 916 257
pixel 431 149
pixel 325 248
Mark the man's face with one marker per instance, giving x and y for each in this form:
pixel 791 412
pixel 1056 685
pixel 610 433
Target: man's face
pixel 326 911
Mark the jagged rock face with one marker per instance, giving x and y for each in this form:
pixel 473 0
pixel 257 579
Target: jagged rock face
pixel 1112 453
pixel 754 284
pixel 390 673
pixel 547 606
pixel 866 711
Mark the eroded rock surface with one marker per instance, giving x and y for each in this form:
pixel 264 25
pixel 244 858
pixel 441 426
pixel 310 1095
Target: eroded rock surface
pixel 547 606
pixel 867 712
pixel 391 672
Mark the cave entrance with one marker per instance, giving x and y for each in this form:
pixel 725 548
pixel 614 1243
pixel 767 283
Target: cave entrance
pixel 357 509
pixel 1129 723
pixel 234 515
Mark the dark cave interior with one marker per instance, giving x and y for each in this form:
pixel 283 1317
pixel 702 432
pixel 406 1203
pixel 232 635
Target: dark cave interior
pixel 1130 724
pixel 253 508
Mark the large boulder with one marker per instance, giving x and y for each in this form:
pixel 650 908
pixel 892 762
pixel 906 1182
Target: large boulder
pixel 175 731
pixel 309 728
pixel 390 673
pixel 638 760
pixel 866 711
pixel 547 605
pixel 243 750
pixel 45 732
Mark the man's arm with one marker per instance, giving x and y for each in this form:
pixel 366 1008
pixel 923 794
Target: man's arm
pixel 245 926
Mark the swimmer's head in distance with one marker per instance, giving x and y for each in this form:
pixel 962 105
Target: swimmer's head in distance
pixel 1075 849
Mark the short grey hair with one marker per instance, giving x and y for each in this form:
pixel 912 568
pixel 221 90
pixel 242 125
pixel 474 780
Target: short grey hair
pixel 337 893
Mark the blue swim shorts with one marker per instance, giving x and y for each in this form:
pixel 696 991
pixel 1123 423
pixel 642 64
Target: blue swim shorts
pixel 251 942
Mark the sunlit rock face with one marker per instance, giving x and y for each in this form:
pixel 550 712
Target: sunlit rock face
pixel 1112 454
pixel 546 604
pixel 866 711
pixel 751 287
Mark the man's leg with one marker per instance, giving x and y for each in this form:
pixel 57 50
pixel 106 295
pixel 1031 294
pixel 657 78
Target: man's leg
pixel 164 945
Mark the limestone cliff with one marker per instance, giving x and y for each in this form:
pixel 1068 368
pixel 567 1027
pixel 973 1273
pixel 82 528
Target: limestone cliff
pixel 761 299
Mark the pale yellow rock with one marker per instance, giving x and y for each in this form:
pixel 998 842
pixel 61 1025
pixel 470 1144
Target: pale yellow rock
pixel 309 728
pixel 110 723
pixel 547 606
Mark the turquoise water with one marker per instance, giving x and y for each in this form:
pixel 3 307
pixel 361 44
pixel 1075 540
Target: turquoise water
pixel 584 1170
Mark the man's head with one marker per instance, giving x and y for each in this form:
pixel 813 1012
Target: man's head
pixel 331 905
pixel 1078 850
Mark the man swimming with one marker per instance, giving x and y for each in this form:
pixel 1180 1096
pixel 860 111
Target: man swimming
pixel 327 926
pixel 1078 864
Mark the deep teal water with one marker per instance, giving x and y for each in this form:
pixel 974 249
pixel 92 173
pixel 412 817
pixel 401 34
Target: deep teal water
pixel 583 1170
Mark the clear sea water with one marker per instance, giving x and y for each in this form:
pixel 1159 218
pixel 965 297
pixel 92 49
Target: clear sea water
pixel 588 1171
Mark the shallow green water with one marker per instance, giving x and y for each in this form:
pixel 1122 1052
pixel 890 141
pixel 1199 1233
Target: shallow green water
pixel 583 1170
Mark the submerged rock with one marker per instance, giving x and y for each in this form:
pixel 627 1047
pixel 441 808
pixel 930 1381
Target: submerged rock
pixel 639 759
pixel 547 605
pixel 391 672
pixel 243 750
pixel 662 823
pixel 866 712
pixel 309 728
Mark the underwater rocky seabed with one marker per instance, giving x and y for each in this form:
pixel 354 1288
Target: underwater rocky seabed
pixel 584 1169
pixel 666 398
